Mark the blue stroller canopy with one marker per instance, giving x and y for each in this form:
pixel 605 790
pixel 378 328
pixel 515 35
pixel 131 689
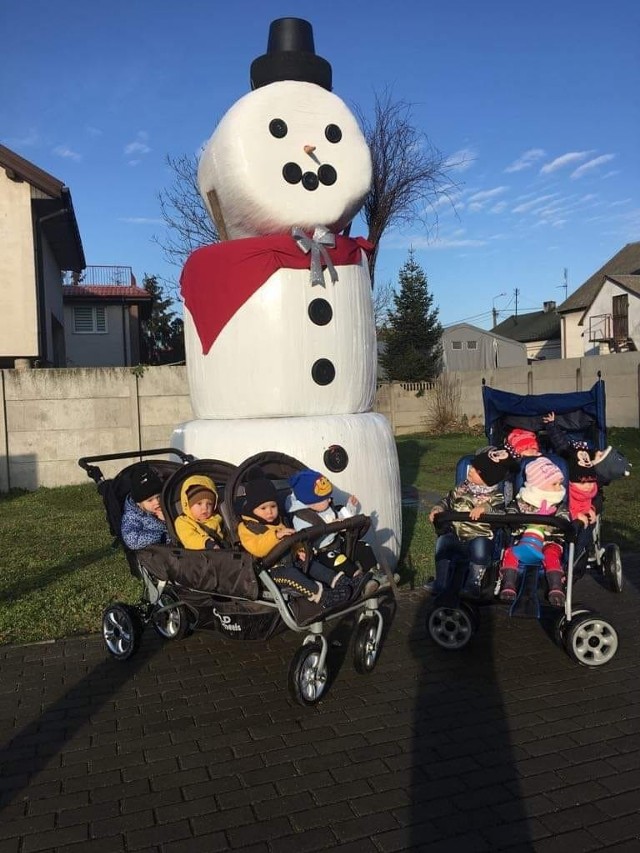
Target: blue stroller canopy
pixel 581 413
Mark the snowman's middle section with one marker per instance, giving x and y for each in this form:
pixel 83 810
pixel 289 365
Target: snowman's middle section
pixel 291 349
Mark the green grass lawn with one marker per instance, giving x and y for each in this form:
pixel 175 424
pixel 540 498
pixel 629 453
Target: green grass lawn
pixel 58 570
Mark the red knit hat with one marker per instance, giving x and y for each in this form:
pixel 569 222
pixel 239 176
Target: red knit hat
pixel 522 442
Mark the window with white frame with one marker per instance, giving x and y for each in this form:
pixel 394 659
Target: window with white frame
pixel 89 319
pixel 472 344
pixel 456 344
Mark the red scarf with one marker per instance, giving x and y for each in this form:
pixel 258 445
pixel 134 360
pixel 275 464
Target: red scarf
pixel 217 280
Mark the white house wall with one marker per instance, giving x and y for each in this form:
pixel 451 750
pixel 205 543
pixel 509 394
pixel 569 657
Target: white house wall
pixel 544 349
pixel 572 335
pixel 98 350
pixel 603 304
pixel 18 307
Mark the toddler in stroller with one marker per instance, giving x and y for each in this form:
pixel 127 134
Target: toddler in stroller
pixel 470 544
pixel 227 589
pixel 516 423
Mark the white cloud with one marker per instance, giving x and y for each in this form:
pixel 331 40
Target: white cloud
pixel 67 153
pixel 592 164
pixel 529 205
pixel 138 147
pixel 499 207
pixel 461 160
pixel 93 131
pixel 140 220
pixel 484 195
pixel 564 160
pixel 526 160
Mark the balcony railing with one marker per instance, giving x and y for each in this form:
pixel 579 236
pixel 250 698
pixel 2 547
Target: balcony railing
pixel 600 327
pixel 103 276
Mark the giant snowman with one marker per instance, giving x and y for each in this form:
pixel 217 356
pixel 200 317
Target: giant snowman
pixel 279 328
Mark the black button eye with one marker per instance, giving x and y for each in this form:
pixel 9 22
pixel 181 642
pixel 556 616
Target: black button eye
pixel 336 458
pixel 333 133
pixel 278 128
pixel 310 181
pixel 327 175
pixel 292 173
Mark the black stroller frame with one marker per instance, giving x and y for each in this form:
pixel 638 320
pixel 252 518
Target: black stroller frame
pixel 228 590
pixel 589 638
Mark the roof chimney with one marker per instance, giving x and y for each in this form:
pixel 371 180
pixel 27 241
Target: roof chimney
pixel 548 307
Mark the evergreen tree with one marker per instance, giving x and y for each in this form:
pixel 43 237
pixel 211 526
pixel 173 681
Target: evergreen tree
pixel 413 332
pixel 162 332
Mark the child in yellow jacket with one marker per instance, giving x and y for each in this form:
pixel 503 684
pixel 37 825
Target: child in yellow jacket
pixel 199 527
pixel 262 528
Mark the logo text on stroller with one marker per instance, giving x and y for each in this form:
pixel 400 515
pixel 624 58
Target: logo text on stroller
pixel 226 623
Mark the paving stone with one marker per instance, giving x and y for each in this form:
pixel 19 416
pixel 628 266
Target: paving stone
pixel 198 747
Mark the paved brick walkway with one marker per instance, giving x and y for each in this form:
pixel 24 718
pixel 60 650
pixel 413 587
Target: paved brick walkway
pixel 196 745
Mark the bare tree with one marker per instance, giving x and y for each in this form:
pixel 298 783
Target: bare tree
pixel 382 303
pixel 187 221
pixel 409 173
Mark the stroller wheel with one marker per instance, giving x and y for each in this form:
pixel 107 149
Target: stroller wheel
pixel 121 630
pixel 453 627
pixel 591 640
pixel 366 646
pixel 172 623
pixel 560 626
pixel 307 681
pixel 612 564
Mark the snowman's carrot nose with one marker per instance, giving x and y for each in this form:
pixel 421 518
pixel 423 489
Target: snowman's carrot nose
pixel 309 149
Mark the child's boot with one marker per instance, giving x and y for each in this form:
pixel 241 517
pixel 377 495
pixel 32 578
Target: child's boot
pixel 555 584
pixel 473 583
pixel 508 585
pixel 337 597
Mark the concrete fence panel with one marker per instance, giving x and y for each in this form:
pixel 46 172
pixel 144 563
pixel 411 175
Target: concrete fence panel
pixel 51 418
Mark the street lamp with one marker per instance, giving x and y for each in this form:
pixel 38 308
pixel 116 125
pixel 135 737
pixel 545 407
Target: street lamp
pixel 493 307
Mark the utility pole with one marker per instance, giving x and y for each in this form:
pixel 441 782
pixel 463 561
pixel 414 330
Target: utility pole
pixel 565 285
pixel 494 310
pixel 516 293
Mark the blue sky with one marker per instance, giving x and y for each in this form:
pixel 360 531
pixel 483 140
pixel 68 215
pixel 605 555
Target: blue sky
pixel 538 102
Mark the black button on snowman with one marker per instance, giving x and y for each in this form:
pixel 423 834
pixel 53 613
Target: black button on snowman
pixel 279 327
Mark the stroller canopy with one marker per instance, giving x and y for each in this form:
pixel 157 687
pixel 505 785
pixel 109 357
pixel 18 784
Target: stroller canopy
pixel 580 413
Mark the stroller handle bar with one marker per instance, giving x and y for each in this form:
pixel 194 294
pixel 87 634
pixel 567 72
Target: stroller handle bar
pixel 511 520
pixel 96 474
pixel 360 523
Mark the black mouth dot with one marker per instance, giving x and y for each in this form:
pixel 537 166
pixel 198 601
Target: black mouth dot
pixel 310 181
pixel 292 173
pixel 327 175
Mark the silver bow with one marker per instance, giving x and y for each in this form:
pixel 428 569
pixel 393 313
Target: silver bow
pixel 319 255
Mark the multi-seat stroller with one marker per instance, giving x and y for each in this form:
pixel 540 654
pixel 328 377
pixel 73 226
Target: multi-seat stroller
pixel 227 590
pixel 453 617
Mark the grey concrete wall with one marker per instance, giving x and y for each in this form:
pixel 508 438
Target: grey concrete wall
pixel 51 418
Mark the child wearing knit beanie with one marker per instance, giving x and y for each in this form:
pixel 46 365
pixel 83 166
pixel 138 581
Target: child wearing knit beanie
pixel 522 442
pixel 262 528
pixel 542 493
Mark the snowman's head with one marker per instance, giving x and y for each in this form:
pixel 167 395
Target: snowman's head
pixel 287 154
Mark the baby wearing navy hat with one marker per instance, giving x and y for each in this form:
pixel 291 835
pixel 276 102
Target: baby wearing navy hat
pixel 143 521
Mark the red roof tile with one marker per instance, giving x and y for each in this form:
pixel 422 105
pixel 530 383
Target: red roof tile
pixel 78 291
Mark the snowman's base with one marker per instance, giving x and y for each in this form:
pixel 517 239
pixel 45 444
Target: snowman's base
pixel 371 471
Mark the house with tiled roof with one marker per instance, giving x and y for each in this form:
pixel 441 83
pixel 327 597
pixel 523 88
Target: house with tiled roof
pixel 539 331
pixel 603 315
pixel 103 310
pixel 92 322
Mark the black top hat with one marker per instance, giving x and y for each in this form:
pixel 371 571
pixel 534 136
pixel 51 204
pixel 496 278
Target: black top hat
pixel 290 55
